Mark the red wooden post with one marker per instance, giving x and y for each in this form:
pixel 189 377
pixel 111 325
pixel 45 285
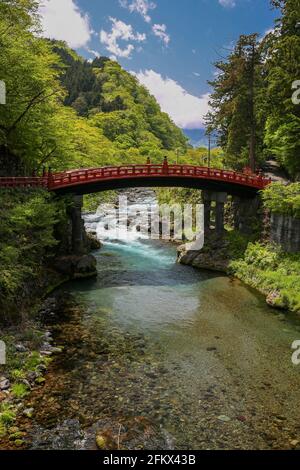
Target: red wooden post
pixel 50 177
pixel 165 166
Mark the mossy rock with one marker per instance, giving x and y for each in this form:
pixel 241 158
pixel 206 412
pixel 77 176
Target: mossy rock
pixel 101 442
pixel 19 443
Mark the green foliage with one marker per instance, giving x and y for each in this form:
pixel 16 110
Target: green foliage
pixel 282 69
pixel 252 107
pixel 238 243
pixel 236 91
pixel 27 64
pixel 270 270
pixel 93 201
pixel 283 199
pixel 26 238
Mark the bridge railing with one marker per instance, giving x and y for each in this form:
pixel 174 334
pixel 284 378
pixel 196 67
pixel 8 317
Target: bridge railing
pixel 24 182
pixel 71 178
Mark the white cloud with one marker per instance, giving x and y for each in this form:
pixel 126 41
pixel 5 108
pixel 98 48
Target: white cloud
pixel 54 14
pixel 93 52
pixel 143 7
pixel 139 6
pixel 186 110
pixel 120 31
pixel 227 3
pixel 160 30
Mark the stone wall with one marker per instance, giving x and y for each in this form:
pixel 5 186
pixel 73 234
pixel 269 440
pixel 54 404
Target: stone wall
pixel 247 214
pixel 285 230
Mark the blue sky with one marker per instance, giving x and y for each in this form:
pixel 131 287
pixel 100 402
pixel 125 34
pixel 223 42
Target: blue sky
pixel 169 44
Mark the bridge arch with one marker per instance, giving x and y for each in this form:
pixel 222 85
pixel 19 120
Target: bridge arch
pixel 93 180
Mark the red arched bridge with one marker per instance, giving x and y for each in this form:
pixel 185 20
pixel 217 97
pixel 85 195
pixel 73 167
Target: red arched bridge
pixel 93 180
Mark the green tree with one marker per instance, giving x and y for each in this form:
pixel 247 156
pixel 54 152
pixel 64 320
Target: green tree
pixel 282 69
pixel 234 103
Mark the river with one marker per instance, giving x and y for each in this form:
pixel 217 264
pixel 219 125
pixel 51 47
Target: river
pixel 162 356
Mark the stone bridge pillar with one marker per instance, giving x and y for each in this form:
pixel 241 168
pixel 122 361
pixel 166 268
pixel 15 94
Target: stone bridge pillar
pixel 78 233
pixel 220 200
pixel 207 200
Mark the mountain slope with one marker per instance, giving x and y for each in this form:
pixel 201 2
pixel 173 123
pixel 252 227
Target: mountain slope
pixel 113 100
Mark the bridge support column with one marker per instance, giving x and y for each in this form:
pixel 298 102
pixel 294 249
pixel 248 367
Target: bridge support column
pixel 246 214
pixel 221 199
pixel 207 200
pixel 77 226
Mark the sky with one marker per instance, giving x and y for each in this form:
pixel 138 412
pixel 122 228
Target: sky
pixel 169 45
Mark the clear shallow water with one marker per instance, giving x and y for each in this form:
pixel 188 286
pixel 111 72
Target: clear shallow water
pixel 196 359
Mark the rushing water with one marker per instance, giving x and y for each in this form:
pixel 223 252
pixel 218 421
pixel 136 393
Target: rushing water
pixel 160 355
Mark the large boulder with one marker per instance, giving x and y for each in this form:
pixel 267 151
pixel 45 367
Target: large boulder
pixel 76 267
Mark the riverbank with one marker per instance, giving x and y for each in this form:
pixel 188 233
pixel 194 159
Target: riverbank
pixel 29 352
pixel 262 266
pixel 36 258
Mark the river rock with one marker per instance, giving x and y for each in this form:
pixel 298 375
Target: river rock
pixel 224 418
pixel 274 299
pixel 213 256
pixel 4 383
pixel 77 267
pixel 28 412
pixel 20 348
pixel 94 243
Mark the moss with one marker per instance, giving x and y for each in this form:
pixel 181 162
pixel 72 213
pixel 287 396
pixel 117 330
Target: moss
pixel 3 430
pixel 16 435
pixel 17 374
pixel 101 442
pixel 19 390
pixel 40 380
pixel 7 415
pixel 33 361
pixel 19 442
